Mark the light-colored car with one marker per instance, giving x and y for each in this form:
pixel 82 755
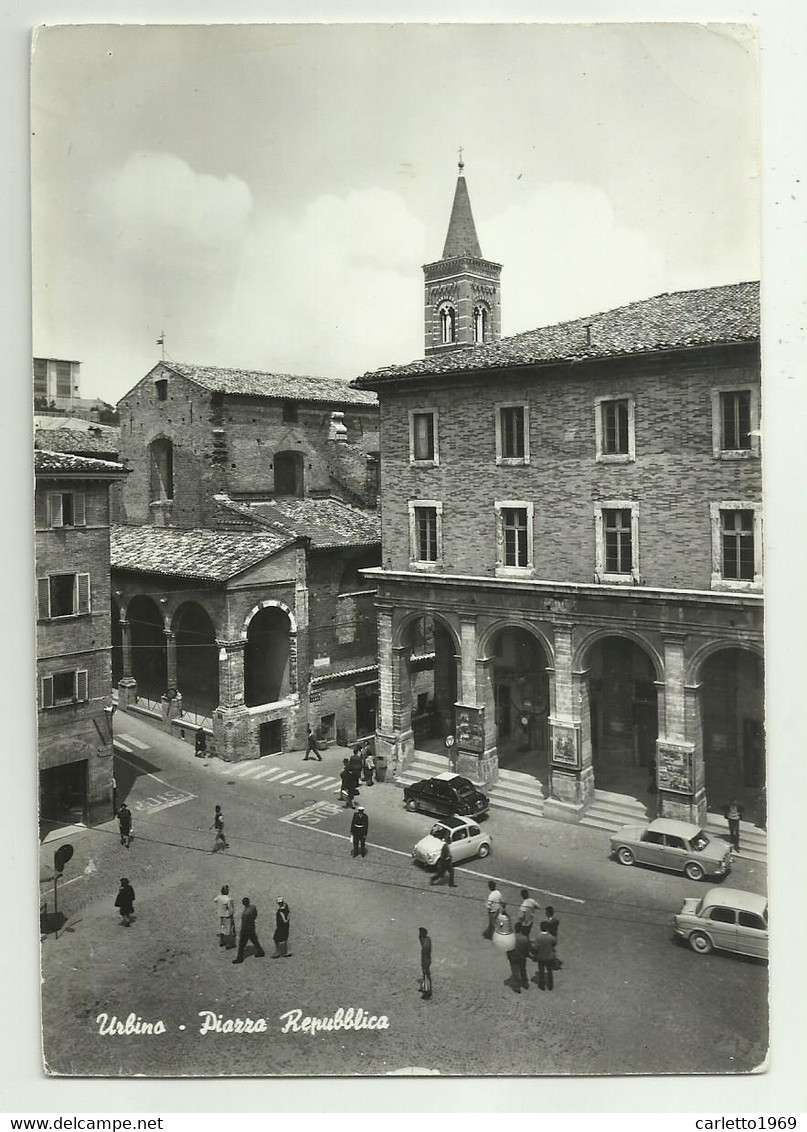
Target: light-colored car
pixel 725 918
pixel 678 845
pixel 463 835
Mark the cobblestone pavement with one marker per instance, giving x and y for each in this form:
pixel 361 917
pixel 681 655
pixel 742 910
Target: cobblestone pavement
pixel 628 1000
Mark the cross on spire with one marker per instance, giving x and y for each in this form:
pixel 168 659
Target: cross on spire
pixel 460 163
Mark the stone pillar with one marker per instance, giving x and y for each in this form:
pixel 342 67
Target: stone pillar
pixel 231 717
pixel 127 685
pixel 395 740
pixel 172 700
pixel 679 761
pixel 476 756
pixel 571 773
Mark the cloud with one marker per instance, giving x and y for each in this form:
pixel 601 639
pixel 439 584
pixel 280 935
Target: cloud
pixel 603 263
pixel 334 289
pixel 156 205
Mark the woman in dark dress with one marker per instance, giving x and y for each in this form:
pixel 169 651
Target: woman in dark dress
pixel 281 933
pixel 124 901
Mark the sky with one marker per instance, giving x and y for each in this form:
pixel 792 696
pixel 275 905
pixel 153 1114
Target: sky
pixel 267 195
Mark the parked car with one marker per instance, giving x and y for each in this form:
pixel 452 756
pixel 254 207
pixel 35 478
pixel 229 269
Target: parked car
pixel 726 918
pixel 463 835
pixel 678 845
pixel 446 794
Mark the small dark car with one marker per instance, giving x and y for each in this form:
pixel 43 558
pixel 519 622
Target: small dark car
pixel 446 794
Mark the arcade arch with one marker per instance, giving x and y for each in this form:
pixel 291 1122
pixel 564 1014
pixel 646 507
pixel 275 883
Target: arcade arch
pixel 149 656
pixel 520 679
pixel 197 658
pixel 732 702
pixel 267 656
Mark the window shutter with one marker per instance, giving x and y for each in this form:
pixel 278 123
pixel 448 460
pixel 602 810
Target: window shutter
pixel 43 598
pixel 79 510
pixel 83 581
pixel 82 687
pixel 47 691
pixel 55 508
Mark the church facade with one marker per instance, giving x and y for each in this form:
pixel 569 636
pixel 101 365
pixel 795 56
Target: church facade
pixel 576 513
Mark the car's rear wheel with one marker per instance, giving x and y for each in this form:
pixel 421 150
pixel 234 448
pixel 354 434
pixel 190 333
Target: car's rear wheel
pixel 700 943
pixel 412 805
pixel 484 851
pixel 693 870
pixel 625 856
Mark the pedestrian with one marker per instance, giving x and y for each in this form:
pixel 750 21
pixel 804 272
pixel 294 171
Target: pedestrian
pixel 226 911
pixel 493 906
pixel 369 765
pixel 543 950
pixel 517 959
pixel 220 841
pixel 527 910
pixel 125 825
pixel 733 813
pixel 425 963
pixel 552 924
pixel 124 901
pixel 247 933
pixel 312 748
pixel 347 791
pixel 445 864
pixel 281 934
pixel 358 829
pixel 200 744
pixel 356 762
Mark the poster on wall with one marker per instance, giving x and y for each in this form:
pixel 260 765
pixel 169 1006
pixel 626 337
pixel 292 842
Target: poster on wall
pixel 675 771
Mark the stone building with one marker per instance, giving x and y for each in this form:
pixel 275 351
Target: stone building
pixel 71 508
pixel 577 510
pixel 239 603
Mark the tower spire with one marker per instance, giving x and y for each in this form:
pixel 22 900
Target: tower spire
pixel 460 163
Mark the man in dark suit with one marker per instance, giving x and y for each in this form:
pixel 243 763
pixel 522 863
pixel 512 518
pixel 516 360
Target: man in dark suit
pixel 358 829
pixel 247 933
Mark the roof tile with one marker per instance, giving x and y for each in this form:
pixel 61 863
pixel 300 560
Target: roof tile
pixel 206 554
pixel 280 385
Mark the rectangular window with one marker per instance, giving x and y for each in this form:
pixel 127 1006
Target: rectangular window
pixel 512 432
pixel 40 378
pixel 64 688
pixel 161 389
pixel 618 540
pixel 615 428
pixel 426 534
pixel 738 545
pixel 423 439
pixel 514 533
pixel 735 417
pixel 66 509
pixel 290 412
pixel 64 384
pixel 63 595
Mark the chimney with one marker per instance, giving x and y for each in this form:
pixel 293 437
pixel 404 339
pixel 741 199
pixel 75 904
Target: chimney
pixel 337 430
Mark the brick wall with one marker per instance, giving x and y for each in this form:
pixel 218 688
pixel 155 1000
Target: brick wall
pixel 227 444
pixel 673 479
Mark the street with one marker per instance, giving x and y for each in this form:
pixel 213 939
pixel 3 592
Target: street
pixel 628 996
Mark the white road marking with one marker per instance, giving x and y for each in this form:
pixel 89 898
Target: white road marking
pixel 310 816
pixel 135 742
pixel 118 746
pixel 298 780
pixel 249 768
pixel 264 773
pixel 174 796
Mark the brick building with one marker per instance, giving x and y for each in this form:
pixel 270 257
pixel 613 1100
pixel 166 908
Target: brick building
pixel 577 511
pixel 71 508
pixel 239 605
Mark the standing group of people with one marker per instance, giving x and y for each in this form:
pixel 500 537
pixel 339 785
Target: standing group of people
pixel 247 932
pixel 542 948
pixel 360 766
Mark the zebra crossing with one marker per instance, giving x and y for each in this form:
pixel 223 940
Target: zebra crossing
pixel 128 744
pixel 256 770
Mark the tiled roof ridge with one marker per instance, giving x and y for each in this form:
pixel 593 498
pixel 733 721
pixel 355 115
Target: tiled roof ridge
pixel 242 508
pixel 73 462
pixel 481 356
pixel 318 388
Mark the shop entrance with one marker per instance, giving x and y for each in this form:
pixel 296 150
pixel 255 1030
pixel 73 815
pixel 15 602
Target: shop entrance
pixel 624 718
pixel 63 796
pixel 521 701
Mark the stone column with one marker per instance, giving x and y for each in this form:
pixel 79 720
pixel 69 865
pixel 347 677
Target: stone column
pixel 172 700
pixel 127 685
pixel 231 717
pixel 476 756
pixel 679 760
pixel 394 738
pixel 571 773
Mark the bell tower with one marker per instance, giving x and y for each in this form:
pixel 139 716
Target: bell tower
pixel 462 289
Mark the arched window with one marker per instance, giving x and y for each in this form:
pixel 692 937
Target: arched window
pixel 161 463
pixel 448 324
pixel 480 324
pixel 288 468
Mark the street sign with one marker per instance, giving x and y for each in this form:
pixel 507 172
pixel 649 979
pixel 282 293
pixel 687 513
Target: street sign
pixel 61 857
